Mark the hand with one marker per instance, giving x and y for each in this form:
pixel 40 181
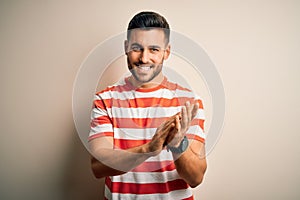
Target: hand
pixel 182 123
pixel 157 142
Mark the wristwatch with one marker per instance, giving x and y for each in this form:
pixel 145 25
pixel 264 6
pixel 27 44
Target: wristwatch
pixel 181 148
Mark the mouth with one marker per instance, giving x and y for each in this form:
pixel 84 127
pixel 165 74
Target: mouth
pixel 144 68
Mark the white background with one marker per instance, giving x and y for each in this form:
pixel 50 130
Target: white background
pixel 255 46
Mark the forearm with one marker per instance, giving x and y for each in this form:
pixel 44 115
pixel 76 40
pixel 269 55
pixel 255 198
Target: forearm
pixel 111 162
pixel 100 170
pixel 191 167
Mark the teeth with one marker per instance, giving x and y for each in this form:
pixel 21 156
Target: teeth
pixel 145 68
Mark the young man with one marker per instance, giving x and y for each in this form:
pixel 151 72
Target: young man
pixel 147 132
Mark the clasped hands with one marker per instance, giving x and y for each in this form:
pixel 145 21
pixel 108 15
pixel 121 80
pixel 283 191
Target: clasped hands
pixel 172 131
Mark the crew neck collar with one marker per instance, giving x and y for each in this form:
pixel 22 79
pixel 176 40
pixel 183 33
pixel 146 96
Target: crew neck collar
pixel 151 89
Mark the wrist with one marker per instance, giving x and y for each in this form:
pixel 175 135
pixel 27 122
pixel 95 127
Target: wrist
pixel 147 151
pixel 182 147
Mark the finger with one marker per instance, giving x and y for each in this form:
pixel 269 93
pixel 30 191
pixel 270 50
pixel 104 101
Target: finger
pixel 184 118
pixel 195 110
pixel 177 124
pixel 165 130
pixel 170 136
pixel 167 123
pixel 173 131
pixel 171 119
pixel 188 110
pixel 178 135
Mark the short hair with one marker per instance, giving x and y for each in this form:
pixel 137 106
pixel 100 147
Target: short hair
pixel 148 20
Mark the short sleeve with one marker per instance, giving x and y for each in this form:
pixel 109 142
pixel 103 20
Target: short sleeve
pixel 196 130
pixel 101 124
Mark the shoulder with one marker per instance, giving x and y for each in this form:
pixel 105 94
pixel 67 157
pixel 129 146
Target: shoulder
pixel 182 90
pixel 176 87
pixel 118 87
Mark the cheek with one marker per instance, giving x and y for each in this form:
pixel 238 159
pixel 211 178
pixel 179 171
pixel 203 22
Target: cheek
pixel 157 58
pixel 133 57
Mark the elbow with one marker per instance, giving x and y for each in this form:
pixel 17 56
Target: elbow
pixel 96 169
pixel 96 174
pixel 196 182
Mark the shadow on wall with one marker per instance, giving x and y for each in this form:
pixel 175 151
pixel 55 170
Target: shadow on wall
pixel 79 182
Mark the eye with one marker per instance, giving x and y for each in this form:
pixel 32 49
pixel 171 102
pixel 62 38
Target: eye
pixel 136 48
pixel 155 50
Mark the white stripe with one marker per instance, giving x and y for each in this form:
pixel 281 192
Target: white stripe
pixel 134 134
pixel 100 129
pixel 200 114
pixel 107 193
pixel 147 177
pixel 149 112
pixel 147 133
pixel 177 194
pixel 138 134
pixel 163 156
pixel 97 97
pixel 196 130
pixel 96 112
pixel 162 93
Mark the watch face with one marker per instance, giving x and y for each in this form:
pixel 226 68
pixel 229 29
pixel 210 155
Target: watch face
pixel 185 144
pixel 182 147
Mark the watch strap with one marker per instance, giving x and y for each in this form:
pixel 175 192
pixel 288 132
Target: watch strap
pixel 181 148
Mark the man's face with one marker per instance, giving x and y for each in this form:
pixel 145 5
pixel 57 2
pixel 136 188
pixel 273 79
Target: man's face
pixel 146 50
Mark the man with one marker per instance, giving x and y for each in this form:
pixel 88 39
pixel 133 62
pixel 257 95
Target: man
pixel 147 132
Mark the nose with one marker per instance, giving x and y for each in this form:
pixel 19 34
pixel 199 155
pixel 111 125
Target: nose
pixel 145 56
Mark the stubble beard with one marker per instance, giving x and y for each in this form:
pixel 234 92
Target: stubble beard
pixel 155 73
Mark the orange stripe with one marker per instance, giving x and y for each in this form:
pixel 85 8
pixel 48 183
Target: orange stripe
pixel 118 88
pixel 138 122
pixel 126 144
pixel 127 86
pixel 152 166
pixel 100 120
pixel 111 134
pixel 195 137
pixel 174 86
pixel 99 104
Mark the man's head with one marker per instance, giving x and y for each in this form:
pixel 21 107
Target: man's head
pixel 149 20
pixel 147 46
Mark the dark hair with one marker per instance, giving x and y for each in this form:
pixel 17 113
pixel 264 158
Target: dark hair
pixel 149 20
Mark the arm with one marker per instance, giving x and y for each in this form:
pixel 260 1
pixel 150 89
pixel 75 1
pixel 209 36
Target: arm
pixel 108 161
pixel 191 164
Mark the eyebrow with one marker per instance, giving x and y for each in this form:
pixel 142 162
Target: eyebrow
pixel 154 47
pixel 136 44
pixel 150 46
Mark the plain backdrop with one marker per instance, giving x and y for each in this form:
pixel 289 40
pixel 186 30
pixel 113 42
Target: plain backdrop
pixel 255 46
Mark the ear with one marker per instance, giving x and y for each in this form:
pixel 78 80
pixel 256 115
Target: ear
pixel 167 52
pixel 126 46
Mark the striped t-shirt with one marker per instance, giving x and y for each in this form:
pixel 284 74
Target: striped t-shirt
pixel 131 116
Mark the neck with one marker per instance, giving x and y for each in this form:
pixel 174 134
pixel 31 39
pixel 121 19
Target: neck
pixel 153 83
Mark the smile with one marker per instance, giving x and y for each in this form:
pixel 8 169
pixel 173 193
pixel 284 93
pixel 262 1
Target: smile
pixel 144 68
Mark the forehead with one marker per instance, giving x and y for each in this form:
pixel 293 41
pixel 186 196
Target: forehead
pixel 147 37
